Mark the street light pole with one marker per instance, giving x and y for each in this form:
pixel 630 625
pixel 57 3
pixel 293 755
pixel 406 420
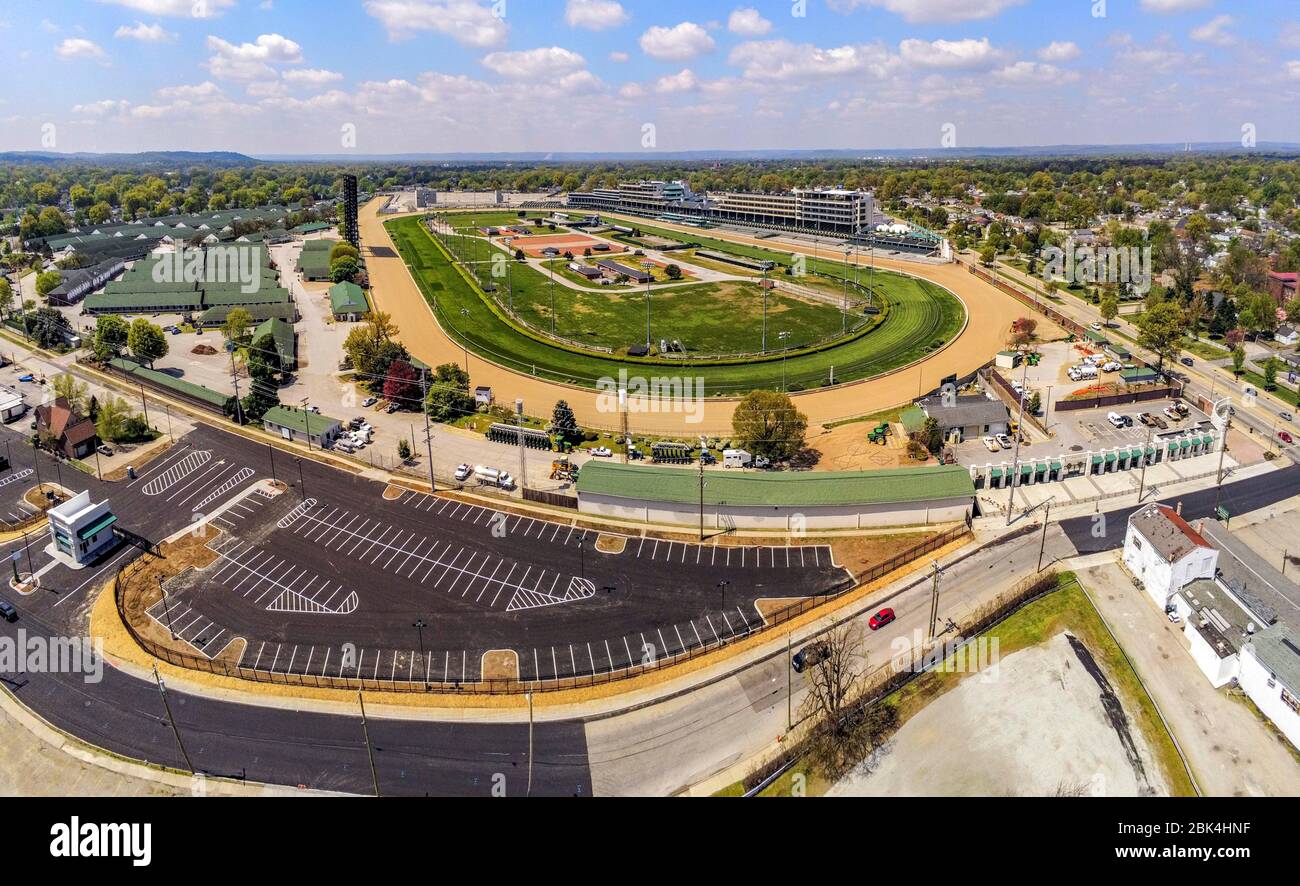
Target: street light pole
pixel 1015 458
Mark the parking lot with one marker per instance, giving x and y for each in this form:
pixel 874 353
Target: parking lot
pixel 302 580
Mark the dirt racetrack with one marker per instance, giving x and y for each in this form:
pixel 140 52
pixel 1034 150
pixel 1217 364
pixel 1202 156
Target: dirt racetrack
pixel 989 315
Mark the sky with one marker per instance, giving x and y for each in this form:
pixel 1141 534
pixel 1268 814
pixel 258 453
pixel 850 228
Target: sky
pixel 367 77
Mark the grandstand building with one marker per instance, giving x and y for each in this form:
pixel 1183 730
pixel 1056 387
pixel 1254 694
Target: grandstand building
pixel 822 210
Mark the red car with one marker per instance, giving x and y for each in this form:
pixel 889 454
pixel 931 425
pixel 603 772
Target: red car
pixel 1284 437
pixel 881 618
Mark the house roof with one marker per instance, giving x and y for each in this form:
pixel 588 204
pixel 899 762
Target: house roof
pixel 1278 649
pixel 777 489
pixel 282 333
pixel 299 420
pixel 348 298
pixel 1171 536
pixel 966 411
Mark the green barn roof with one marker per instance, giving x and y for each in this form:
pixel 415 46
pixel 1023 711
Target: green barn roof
pixel 777 489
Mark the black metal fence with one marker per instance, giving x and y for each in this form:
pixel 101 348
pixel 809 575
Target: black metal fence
pixel 122 583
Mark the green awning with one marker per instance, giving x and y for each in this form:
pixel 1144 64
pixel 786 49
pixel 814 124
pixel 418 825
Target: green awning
pixel 1173 447
pixel 997 472
pixel 1136 453
pixel 1096 459
pixel 104 522
pixel 1111 458
pixel 1184 443
pixel 1040 469
pixel 1026 469
pixel 1151 450
pixel 1207 440
pixel 1056 466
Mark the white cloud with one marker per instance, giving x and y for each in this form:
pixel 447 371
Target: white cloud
pixel 1169 7
pixel 748 22
pixel 74 48
pixel 595 15
pixel 1290 35
pixel 932 11
pixel 312 76
pixel 618 56
pixel 1058 51
pixel 1160 56
pixel 249 61
pixel 465 21
pixel 205 90
pixel 533 63
pixel 678 43
pixel 101 108
pixel 144 33
pixel 1024 73
pixel 1293 69
pixel 951 54
pixel 783 60
pixel 683 81
pixel 178 8
pixel 1217 31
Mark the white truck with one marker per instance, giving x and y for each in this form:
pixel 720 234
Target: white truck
pixel 736 458
pixel 493 477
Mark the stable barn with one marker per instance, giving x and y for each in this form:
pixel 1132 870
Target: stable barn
pixel 790 502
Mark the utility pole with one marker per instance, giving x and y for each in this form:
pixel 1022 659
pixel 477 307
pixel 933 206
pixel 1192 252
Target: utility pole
pixel 934 597
pixel 234 378
pixel 523 458
pixel 789 685
pixel 271 451
pixel 428 442
pixel 529 792
pixel 1223 448
pixel 365 730
pixel 1020 428
pixel 1042 546
pixel 622 408
pixel 701 490
pixel 172 721
pixel 1142 481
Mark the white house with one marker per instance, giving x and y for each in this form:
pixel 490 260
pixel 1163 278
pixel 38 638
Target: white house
pixel 1270 675
pixel 1286 335
pixel 81 529
pixel 1166 553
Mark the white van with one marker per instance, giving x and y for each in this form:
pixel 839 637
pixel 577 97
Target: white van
pixel 493 477
pixel 1115 419
pixel 736 458
pixel 1084 371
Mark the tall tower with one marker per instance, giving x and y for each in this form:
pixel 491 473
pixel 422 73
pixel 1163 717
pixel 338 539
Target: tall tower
pixel 350 209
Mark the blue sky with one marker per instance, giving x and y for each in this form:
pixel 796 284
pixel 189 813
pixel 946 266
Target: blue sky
pixel 386 76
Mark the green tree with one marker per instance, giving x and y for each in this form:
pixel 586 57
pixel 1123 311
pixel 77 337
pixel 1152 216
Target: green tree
pixel 449 397
pixel 673 272
pixel 47 327
pixel 146 341
pixel 1161 330
pixel 1109 307
pixel 6 295
pixel 343 269
pixel 1238 360
pixel 1270 373
pixel 343 249
pixel 767 423
pixel 47 282
pixel 404 449
pixel 237 324
pixel 564 424
pixel 988 255
pixel 111 333
pixel 112 419
pixel 69 388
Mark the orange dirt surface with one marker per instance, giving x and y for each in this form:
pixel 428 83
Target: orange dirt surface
pixel 989 314
pixel 533 246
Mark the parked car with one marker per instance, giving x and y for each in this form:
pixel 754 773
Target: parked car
pixel 104 450
pixel 368 402
pixel 1096 327
pixel 1115 419
pixel 8 612
pixel 344 445
pixel 762 461
pixel 1147 419
pixel 1112 366
pixel 1004 441
pixel 1173 616
pixel 1160 422
pixel 881 618
pixel 1187 361
pixel 990 444
pixel 602 452
pixel 463 472
pixel 810 655
pixel 1285 437
pixel 1285 416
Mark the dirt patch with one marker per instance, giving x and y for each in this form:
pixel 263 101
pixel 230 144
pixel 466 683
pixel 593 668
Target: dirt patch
pixel 36 496
pixel 846 448
pixel 143 578
pixel 611 544
pixel 204 350
pixel 147 458
pixel 392 492
pixel 1034 724
pixel 501 664
pixel 861 553
pixel 771 607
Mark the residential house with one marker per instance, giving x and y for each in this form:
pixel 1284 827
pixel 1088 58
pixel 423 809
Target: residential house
pixel 65 430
